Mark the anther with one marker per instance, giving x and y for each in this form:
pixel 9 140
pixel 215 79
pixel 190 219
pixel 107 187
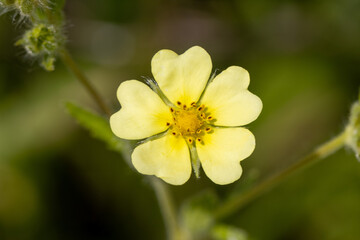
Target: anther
pixel 198 139
pixel 208 129
pixel 200 108
pixel 209 118
pixel 171 110
pixel 203 115
pixel 198 131
pixel 167 124
pixel 184 107
pixel 178 103
pixel 193 104
pixel 190 140
pixel 173 133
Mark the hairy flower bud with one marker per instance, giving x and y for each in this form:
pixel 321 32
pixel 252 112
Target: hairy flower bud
pixel 31 9
pixel 42 41
pixel 25 7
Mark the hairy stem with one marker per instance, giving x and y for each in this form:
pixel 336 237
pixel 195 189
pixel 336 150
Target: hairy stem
pixel 71 64
pixel 238 202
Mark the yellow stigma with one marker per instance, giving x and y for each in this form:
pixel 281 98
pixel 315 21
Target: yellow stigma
pixel 190 122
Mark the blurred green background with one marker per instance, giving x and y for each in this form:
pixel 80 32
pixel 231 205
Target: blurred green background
pixel 56 182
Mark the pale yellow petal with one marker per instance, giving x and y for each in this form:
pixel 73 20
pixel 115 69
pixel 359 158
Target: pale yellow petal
pixel 221 153
pixel 182 77
pixel 143 113
pixel 229 101
pixel 167 158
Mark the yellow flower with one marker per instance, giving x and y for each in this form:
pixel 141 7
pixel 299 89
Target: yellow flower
pixel 188 119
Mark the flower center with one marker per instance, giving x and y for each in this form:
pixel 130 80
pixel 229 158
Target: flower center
pixel 190 122
pixel 187 122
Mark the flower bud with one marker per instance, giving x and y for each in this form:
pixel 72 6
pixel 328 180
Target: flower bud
pixel 42 41
pixel 25 7
pixel 30 8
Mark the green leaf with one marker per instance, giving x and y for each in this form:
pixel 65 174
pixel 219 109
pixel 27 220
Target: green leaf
pixel 226 232
pixel 98 126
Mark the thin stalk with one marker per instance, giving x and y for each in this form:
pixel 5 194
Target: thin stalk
pixel 236 203
pixel 167 209
pixel 71 64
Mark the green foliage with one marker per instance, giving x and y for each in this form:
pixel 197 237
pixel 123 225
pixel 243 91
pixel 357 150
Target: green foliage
pixel 299 72
pixel 42 41
pixel 98 126
pixel 226 232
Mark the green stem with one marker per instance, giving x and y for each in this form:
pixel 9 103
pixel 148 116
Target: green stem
pixel 236 203
pixel 167 209
pixel 70 63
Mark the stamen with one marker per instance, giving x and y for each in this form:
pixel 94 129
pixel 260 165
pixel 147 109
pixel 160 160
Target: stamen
pixel 193 104
pixel 208 129
pixel 178 103
pixel 209 118
pixel 198 131
pixel 167 124
pixel 171 110
pixel 203 115
pixel 174 133
pixel 190 140
pixel 200 108
pixel 198 139
pixel 184 107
